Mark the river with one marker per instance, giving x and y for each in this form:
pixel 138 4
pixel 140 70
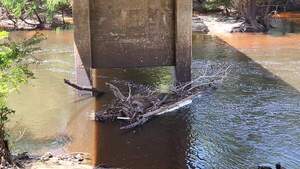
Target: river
pixel 253 118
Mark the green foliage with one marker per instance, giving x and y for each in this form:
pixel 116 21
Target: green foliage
pixel 30 8
pixel 54 5
pixel 14 68
pixel 215 4
pixel 13 73
pixel 5 112
pixel 3 34
pixel 14 6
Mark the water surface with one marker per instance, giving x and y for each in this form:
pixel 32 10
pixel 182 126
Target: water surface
pixel 252 119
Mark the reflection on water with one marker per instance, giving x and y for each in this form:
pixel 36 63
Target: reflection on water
pixel 159 144
pixel 284 23
pixel 252 119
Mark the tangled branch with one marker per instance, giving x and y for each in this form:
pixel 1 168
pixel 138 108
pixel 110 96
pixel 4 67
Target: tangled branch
pixel 136 107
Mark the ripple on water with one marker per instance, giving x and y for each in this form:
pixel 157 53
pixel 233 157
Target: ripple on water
pixel 252 119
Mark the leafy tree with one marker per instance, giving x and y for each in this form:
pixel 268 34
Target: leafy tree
pixel 13 73
pixel 256 12
pixel 54 6
pixel 215 4
pixel 41 10
pixel 257 18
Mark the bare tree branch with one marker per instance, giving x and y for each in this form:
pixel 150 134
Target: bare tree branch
pixel 81 88
pixel 139 107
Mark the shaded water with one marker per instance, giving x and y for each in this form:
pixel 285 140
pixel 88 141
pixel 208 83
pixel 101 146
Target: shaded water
pixel 286 22
pixel 253 118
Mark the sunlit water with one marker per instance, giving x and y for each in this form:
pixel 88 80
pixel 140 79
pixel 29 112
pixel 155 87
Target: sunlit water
pixel 253 118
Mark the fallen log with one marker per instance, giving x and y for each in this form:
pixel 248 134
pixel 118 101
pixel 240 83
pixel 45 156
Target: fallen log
pixel 161 111
pixel 172 107
pixel 94 91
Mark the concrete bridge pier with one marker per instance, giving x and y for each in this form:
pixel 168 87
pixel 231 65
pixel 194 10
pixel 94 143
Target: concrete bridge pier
pixel 132 34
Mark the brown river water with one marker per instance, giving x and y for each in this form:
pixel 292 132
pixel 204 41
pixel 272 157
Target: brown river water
pixel 253 118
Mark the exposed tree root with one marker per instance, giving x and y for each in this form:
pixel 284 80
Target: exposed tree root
pixel 246 27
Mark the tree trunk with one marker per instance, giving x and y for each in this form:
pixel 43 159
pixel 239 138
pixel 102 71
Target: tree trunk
pixel 41 23
pixel 4 151
pixel 267 15
pixel 251 14
pixel 251 11
pixel 11 18
pixel 63 17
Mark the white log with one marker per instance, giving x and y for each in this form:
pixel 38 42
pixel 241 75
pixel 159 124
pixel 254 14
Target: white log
pixel 123 118
pixel 173 107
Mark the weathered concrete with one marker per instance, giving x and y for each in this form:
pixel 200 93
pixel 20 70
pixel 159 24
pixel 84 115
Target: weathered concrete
pixel 82 45
pixel 183 40
pixel 134 33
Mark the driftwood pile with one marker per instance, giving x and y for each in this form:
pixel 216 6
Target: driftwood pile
pixel 141 103
pixel 137 104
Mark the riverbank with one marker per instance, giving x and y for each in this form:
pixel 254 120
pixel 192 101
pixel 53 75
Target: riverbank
pixel 206 23
pixel 218 24
pixel 215 23
pixel 31 24
pixel 50 161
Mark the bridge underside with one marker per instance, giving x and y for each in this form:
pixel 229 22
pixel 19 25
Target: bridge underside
pixel 133 33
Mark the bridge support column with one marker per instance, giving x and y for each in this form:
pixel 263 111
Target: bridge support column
pixel 132 34
pixel 83 77
pixel 183 40
pixel 82 44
